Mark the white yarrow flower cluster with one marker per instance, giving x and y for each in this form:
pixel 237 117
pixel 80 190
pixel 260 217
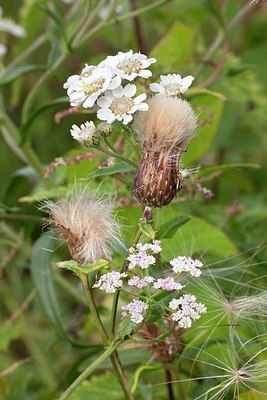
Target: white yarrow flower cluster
pixel 110 282
pixel 172 84
pixel 186 264
pixel 136 310
pixel 142 256
pixel 186 310
pixel 103 84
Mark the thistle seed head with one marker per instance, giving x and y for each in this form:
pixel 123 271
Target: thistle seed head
pixel 85 222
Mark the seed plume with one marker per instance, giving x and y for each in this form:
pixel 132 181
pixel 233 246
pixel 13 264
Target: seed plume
pixel 86 224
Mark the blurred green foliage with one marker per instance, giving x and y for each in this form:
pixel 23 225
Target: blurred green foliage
pixel 46 336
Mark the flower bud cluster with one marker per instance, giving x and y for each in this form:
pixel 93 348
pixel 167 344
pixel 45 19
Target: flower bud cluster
pixel 182 310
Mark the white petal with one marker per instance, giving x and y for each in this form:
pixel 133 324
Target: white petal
pixel 145 73
pixel 186 82
pixel 104 114
pixel 104 102
pixel 140 98
pixel 164 79
pixel 129 90
pixel 118 92
pixel 156 87
pixel 142 107
pixel 175 78
pixel 114 83
pixel 90 101
pixel 127 119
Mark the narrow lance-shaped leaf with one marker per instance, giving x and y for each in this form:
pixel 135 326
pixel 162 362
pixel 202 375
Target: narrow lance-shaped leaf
pixel 43 281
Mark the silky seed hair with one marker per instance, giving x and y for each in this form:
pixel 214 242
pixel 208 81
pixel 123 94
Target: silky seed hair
pixel 85 222
pixel 169 123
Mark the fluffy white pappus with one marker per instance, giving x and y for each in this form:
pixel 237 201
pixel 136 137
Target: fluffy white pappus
pixel 249 307
pixel 169 123
pixel 85 222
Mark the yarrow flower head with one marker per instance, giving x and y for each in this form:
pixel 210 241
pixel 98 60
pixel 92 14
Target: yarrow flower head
pixel 135 309
pixel 167 283
pixel 110 282
pixel 85 222
pixel 140 283
pixel 141 256
pixel 186 310
pixel 129 65
pixel 172 84
pixel 86 134
pixel 84 89
pixel 186 264
pixel 119 104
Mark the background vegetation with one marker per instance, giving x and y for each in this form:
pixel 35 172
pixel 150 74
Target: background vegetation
pixel 44 320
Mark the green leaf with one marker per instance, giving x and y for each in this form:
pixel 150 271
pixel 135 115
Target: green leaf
pixel 19 71
pixel 114 169
pixel 8 333
pixel 99 387
pixel 73 266
pixel 175 49
pixel 196 237
pixel 161 301
pixel 225 167
pixel 208 106
pixel 147 230
pixel 125 328
pixel 43 282
pixel 169 228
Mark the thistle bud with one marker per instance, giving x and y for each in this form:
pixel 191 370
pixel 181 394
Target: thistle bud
pixel 164 132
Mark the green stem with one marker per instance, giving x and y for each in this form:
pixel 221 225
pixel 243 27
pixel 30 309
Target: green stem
pixel 112 148
pixel 117 155
pixel 88 371
pixel 92 307
pixel 114 357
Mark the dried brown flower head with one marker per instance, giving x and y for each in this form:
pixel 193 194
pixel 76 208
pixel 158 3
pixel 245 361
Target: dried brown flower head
pixel 166 350
pixel 86 224
pixel 164 132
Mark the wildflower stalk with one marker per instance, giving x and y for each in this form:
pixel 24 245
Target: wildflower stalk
pixel 112 350
pixel 117 155
pixel 89 370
